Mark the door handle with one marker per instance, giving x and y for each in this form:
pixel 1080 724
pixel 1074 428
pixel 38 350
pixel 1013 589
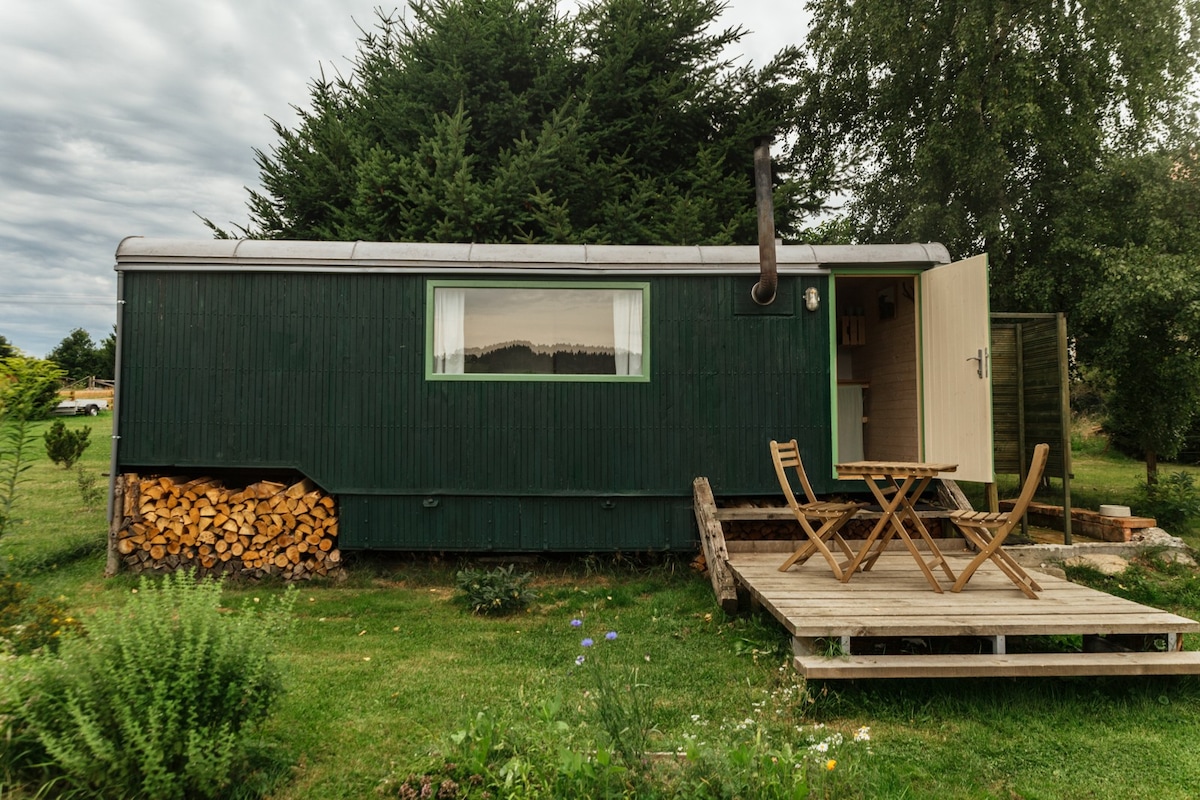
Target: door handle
pixel 980 362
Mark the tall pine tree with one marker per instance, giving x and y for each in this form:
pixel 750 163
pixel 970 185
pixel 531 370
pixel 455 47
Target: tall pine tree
pixel 502 120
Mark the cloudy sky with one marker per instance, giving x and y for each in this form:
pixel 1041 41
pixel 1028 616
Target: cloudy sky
pixel 132 117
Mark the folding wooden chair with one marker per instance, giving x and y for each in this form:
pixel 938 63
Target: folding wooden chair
pixel 832 516
pixel 987 531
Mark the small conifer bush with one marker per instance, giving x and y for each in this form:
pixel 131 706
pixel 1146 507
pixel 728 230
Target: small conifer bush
pixel 63 446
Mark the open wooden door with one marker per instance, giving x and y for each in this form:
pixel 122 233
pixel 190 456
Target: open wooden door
pixel 956 368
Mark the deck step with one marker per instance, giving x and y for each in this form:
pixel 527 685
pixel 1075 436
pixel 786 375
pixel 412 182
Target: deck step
pixel 819 667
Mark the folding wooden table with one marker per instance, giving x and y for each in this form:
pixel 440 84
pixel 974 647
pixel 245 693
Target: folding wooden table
pixel 907 480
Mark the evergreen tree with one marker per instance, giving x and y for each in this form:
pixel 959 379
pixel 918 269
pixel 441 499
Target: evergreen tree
pixel 77 355
pixel 502 120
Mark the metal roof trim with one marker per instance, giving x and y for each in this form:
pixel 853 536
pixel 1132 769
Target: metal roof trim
pixel 137 253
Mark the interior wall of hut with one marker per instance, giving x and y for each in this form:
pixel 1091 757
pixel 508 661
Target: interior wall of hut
pixel 877 368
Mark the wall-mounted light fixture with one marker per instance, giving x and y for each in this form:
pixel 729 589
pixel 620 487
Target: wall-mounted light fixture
pixel 812 299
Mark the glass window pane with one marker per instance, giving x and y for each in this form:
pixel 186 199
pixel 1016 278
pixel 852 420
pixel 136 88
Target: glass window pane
pixel 537 330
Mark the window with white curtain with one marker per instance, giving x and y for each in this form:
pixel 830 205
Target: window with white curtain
pixel 537 331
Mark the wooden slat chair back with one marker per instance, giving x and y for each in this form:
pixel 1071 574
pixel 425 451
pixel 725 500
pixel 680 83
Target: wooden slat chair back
pixel 988 530
pixel 832 516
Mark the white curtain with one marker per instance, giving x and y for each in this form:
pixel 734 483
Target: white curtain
pixel 627 331
pixel 449 341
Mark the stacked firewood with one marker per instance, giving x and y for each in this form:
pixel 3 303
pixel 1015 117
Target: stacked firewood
pixel 266 528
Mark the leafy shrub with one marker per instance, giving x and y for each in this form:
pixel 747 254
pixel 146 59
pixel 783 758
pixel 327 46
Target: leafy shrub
pixel 64 447
pixel 160 699
pixel 26 627
pixel 497 591
pixel 1172 501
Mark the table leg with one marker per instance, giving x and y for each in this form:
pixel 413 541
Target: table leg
pixel 911 513
pixel 897 520
pixel 865 557
pixel 894 513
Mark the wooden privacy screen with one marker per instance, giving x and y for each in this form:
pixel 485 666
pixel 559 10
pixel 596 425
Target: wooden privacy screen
pixel 1030 396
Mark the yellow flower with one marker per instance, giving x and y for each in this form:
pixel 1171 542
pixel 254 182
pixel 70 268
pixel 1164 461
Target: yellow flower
pixel 830 764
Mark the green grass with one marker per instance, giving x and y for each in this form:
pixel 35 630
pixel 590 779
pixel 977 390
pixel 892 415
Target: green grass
pixel 1100 475
pixel 384 666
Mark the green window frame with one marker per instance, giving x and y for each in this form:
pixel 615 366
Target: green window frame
pixel 514 330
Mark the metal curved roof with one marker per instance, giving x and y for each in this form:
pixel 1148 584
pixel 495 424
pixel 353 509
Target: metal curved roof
pixel 255 255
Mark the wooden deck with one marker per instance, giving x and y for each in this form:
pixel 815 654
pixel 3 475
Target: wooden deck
pixel 887 623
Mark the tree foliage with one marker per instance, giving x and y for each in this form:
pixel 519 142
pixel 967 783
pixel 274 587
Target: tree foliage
pixel 1146 299
pixel 81 358
pixel 7 350
pixel 504 121
pixel 28 390
pixel 28 387
pixel 973 123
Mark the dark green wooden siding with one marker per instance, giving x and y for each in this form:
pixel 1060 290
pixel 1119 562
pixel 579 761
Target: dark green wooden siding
pixel 324 373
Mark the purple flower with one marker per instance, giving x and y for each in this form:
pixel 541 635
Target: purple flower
pixel 575 623
pixel 610 635
pixel 579 661
pixel 587 642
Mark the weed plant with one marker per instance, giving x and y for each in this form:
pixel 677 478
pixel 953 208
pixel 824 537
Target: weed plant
pixel 543 750
pixel 161 699
pixel 496 591
pixel 16 452
pixel 622 701
pixel 91 494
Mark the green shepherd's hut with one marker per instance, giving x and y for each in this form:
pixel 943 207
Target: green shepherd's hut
pixel 466 397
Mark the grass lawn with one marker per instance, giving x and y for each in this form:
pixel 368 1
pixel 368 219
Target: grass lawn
pixel 384 668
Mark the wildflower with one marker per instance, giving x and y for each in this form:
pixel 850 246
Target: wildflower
pixel 863 734
pixel 610 635
pixel 830 764
pixel 579 661
pixel 587 642
pixel 575 623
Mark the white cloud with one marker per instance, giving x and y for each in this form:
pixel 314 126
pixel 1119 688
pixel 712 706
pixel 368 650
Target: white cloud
pixel 129 117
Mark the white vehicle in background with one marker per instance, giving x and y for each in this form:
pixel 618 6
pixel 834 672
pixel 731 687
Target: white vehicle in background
pixel 91 406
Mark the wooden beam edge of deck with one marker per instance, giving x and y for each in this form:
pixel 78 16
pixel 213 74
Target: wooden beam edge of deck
pixel 1017 665
pixel 712 543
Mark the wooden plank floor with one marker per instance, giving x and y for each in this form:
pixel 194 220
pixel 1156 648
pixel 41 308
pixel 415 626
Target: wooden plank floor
pixel 876 612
